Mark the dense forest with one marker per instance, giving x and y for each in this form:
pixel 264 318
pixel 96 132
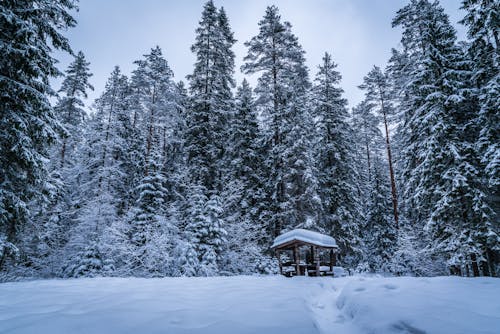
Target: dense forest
pixel 164 178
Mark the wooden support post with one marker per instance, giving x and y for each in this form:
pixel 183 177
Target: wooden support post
pixel 331 260
pixel 297 259
pixel 316 260
pixel 277 253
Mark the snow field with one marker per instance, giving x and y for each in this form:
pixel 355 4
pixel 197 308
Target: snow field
pixel 252 304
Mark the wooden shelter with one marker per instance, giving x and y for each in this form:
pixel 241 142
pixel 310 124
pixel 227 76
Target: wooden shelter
pixel 304 252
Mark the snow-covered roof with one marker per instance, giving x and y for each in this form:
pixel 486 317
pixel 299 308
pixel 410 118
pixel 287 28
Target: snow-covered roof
pixel 305 236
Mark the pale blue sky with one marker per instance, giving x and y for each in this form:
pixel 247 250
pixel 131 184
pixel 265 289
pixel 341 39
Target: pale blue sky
pixel 357 33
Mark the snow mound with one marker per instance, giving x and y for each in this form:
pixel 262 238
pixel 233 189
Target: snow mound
pixel 411 305
pixel 305 236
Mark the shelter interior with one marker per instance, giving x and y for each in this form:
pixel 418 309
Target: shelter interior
pixel 298 258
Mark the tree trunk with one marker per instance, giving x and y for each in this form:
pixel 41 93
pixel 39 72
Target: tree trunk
pixel 280 187
pixel 11 233
pixel 490 256
pixel 63 151
pixel 391 172
pixel 475 267
pixel 369 162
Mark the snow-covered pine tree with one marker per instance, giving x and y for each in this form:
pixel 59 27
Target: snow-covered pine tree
pixel 204 231
pixel 55 217
pixel 484 50
pixel 367 136
pixel 173 150
pixel 211 99
pixel 69 108
pixel 440 168
pixel 378 97
pixel 152 235
pixel 154 94
pixel 207 119
pixel 155 111
pixel 99 182
pixel 282 98
pixel 368 143
pixel 244 193
pixel 335 159
pixel 30 30
pixel 379 233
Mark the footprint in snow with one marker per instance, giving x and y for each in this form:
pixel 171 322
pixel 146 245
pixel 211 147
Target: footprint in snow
pixel 340 319
pixel 360 289
pixel 403 327
pixel 390 286
pixel 318 305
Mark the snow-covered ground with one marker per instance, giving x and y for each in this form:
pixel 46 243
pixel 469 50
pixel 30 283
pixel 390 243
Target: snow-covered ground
pixel 252 305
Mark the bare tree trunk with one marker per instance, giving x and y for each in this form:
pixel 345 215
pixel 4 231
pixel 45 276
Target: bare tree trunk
pixel 475 267
pixel 391 170
pixel 490 256
pixel 280 187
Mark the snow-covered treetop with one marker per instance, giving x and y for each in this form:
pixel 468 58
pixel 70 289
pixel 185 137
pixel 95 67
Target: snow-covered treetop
pixel 305 236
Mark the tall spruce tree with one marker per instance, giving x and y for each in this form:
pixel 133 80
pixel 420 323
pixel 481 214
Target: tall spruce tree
pixel 440 162
pixel 30 30
pixel 378 227
pixel 367 135
pixel 57 216
pixel 378 98
pixel 484 50
pixel 152 235
pixel 244 193
pixel 335 158
pixel 282 97
pixel 109 161
pixel 154 97
pixel 207 118
pixel 380 234
pixel 211 98
pixel 69 108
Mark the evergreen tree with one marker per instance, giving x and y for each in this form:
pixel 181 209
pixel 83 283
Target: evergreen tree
pixel 244 192
pixel 69 108
pixel 380 234
pixel 440 164
pixel 211 98
pixel 99 179
pixel 27 121
pixel 367 137
pixel 154 96
pixel 482 23
pixel 205 230
pixel 282 97
pixel 152 235
pixel 335 158
pixel 378 97
pixel 57 216
pixel 207 129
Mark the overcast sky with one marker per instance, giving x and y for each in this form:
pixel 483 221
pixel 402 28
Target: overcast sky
pixel 357 33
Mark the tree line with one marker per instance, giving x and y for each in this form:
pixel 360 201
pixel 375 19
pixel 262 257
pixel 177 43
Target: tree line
pixel 163 178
